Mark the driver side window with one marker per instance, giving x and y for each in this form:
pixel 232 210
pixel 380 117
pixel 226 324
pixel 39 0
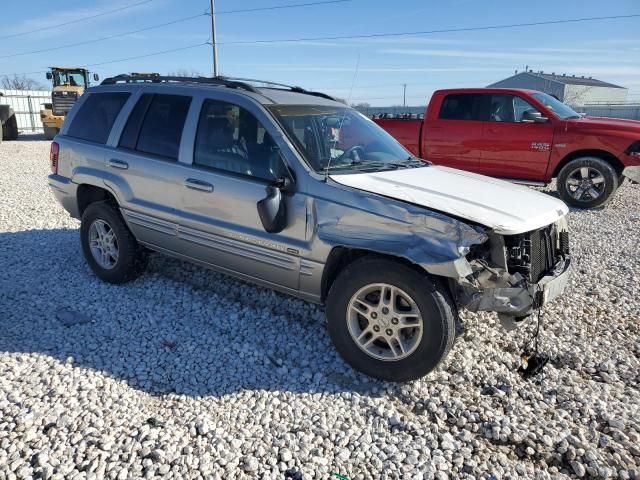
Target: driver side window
pixel 229 138
pixel 508 108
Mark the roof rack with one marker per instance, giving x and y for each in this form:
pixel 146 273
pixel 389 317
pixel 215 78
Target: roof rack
pixel 289 87
pixel 154 78
pixel 230 82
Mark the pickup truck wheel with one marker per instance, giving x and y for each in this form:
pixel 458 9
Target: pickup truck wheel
pixel 587 182
pixel 10 128
pixel 109 247
pixel 389 321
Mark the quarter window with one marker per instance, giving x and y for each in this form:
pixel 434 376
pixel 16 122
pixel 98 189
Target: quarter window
pixel 155 125
pixel 96 116
pixel 231 139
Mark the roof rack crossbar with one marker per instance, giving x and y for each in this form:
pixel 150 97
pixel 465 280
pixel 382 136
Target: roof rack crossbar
pixel 222 81
pixel 289 87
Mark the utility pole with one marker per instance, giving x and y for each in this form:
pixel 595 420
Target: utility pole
pixel 213 38
pixel 404 94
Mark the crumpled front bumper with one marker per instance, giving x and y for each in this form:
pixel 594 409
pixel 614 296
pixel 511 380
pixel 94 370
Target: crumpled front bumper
pixel 519 301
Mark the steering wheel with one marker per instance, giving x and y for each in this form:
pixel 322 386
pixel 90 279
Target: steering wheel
pixel 356 153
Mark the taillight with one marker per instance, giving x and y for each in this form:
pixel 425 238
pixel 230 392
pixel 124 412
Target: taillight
pixel 53 156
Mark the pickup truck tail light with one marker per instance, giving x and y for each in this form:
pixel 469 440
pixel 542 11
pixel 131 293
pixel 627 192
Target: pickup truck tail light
pixel 53 156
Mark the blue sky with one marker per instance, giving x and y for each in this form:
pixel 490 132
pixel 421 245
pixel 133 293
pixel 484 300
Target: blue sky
pixel 609 50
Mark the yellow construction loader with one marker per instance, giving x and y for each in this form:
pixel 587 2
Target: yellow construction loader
pixel 68 85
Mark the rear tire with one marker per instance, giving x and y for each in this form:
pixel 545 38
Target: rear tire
pixel 419 300
pixel 126 258
pixel 587 182
pixel 50 132
pixel 10 128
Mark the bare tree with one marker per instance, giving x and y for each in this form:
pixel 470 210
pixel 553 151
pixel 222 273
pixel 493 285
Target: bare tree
pixel 20 83
pixel 185 72
pixel 576 97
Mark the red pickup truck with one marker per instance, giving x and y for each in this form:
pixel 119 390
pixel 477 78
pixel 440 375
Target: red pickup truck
pixel 524 136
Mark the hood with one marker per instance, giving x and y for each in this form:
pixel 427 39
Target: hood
pixel 506 208
pixel 603 123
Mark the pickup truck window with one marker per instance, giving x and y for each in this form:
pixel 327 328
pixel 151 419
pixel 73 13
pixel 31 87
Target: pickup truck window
pixel 556 106
pixel 340 139
pixel 230 138
pixel 508 108
pixel 95 118
pixel 155 125
pixel 462 106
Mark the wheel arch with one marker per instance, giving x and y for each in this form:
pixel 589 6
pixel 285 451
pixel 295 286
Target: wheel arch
pixel 88 194
pixel 602 154
pixel 341 256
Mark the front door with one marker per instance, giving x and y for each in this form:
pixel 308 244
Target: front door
pixel 513 146
pixel 234 160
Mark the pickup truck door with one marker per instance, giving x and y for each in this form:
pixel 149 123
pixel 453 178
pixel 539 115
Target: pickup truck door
pixel 513 148
pixel 234 159
pixel 454 138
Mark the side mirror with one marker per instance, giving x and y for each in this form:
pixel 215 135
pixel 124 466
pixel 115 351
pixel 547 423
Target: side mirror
pixel 95 77
pixel 272 209
pixel 533 116
pixel 49 76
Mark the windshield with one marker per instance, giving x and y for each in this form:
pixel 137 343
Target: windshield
pixel 335 138
pixel 556 106
pixel 70 78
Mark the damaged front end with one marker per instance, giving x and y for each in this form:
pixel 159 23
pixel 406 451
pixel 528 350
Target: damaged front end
pixel 514 275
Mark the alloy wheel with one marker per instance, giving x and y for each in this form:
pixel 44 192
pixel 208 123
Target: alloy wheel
pixel 103 244
pixel 385 322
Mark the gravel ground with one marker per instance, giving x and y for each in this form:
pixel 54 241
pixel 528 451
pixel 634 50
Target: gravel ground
pixel 186 373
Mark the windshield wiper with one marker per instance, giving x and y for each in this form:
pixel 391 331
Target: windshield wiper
pixel 359 164
pixel 411 162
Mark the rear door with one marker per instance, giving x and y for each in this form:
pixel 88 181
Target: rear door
pixel 513 148
pixel 144 167
pixel 454 138
pixel 234 159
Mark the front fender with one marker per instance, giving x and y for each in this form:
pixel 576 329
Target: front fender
pixel 432 240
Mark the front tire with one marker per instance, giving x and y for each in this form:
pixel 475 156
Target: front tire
pixel 390 321
pixel 587 182
pixel 109 247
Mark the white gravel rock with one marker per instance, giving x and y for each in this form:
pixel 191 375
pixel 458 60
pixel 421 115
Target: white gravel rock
pixel 186 373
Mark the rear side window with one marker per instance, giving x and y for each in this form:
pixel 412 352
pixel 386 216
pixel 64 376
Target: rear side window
pixel 462 106
pixel 155 125
pixel 96 116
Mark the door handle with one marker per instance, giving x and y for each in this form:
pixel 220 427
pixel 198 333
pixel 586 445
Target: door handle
pixel 118 164
pixel 195 184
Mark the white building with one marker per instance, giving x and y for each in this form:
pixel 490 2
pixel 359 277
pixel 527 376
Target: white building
pixel 570 89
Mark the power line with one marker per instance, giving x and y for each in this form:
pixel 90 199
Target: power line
pixel 51 27
pixel 160 25
pixel 427 32
pixel 279 7
pixel 101 39
pixel 151 54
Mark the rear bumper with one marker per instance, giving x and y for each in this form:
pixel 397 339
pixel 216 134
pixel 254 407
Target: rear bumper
pixel 522 300
pixel 65 192
pixel 632 173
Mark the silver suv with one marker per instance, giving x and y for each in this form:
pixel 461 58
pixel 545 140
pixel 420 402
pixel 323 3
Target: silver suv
pixel 295 191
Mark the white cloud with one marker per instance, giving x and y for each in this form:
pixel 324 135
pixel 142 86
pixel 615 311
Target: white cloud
pixel 42 26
